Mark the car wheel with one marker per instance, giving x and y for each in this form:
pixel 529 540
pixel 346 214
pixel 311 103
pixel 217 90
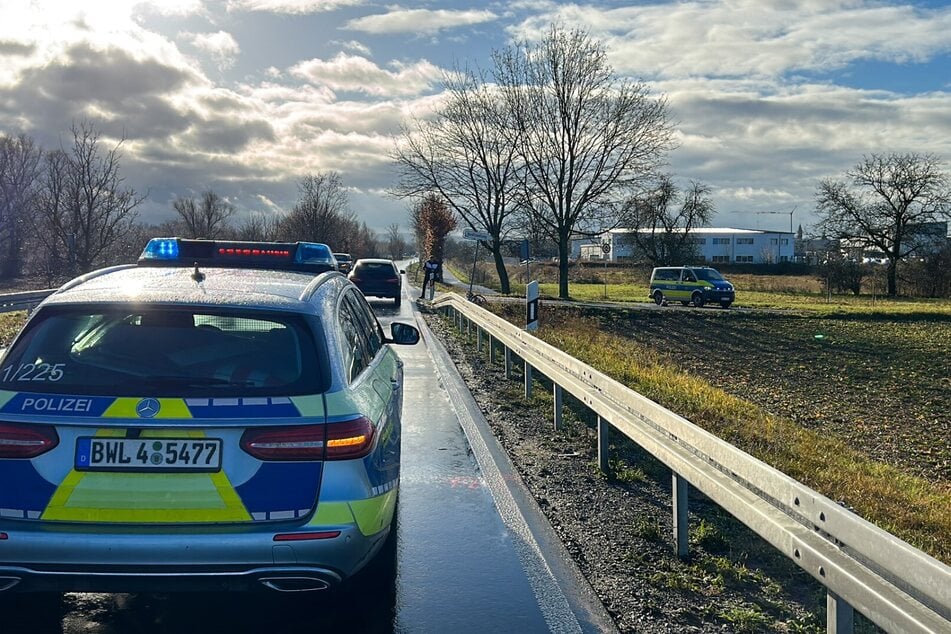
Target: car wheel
pixel 658 298
pixel 725 304
pixel 697 299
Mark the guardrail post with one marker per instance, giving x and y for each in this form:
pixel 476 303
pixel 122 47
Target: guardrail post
pixel 604 437
pixel 479 335
pixel 508 362
pixel 679 490
pixel 491 350
pixel 840 616
pixel 468 327
pixel 557 394
pixel 528 380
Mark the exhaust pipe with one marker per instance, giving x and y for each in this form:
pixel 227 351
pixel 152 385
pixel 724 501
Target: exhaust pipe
pixel 295 584
pixel 8 582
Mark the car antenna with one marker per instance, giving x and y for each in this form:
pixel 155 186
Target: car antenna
pixel 197 275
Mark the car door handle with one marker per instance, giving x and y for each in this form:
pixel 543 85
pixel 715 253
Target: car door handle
pixel 395 384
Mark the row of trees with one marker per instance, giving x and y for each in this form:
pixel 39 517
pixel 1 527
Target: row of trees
pixel 68 210
pixel 552 140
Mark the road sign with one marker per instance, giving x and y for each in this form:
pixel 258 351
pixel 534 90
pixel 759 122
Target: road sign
pixel 472 234
pixel 606 247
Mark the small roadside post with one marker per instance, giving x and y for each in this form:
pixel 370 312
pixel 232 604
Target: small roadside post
pixel 531 306
pixel 478 236
pixel 525 256
pixel 606 250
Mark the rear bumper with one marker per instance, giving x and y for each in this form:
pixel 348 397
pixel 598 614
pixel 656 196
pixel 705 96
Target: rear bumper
pixel 79 560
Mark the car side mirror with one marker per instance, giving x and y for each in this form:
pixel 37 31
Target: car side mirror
pixel 403 334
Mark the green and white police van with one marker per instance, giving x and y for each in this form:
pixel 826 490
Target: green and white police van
pixel 697 285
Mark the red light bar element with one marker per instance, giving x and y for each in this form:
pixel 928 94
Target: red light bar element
pixel 3 536
pixel 270 253
pixel 303 537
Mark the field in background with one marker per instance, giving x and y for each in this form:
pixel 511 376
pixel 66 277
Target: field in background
pixel 860 413
pixel 779 292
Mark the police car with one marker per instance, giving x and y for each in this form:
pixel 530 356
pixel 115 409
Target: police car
pixel 222 415
pixel 697 285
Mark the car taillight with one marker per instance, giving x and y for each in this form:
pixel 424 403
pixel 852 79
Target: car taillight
pixel 26 441
pixel 334 441
pixel 349 439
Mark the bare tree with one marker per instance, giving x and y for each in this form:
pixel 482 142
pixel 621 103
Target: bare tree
pixel 82 207
pixel 586 138
pixel 882 202
pixel 395 243
pixel 466 154
pixel 662 220
pixel 259 226
pixel 19 175
pixel 321 213
pixel 206 218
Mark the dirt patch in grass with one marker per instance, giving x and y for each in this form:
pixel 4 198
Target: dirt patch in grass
pixel 883 385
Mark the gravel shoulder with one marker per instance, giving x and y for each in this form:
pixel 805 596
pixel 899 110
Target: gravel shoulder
pixel 619 530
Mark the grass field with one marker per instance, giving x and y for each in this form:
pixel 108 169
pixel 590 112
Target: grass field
pixel 855 407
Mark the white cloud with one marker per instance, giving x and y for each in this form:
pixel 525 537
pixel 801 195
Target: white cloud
pixel 738 38
pixel 358 74
pixel 424 21
pixel 222 46
pixel 293 7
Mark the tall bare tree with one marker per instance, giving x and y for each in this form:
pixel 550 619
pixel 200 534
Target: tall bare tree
pixel 586 137
pixel 259 226
pixel 19 175
pixel 882 202
pixel 395 243
pixel 322 213
pixel 83 207
pixel 663 217
pixel 205 218
pixel 466 154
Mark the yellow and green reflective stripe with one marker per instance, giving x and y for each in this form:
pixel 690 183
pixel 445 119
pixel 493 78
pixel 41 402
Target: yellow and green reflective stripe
pixel 169 408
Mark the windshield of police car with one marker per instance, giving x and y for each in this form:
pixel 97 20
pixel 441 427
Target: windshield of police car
pixel 711 275
pixel 173 352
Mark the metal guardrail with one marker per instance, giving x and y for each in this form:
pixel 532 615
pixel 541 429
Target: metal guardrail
pixel 26 300
pixel 862 567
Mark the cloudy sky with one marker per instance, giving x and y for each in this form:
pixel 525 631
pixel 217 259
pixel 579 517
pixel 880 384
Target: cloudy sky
pixel 246 96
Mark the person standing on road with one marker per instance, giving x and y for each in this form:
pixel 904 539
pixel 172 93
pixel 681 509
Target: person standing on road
pixel 429 275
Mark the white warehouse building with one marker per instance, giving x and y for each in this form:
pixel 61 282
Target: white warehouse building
pixel 715 245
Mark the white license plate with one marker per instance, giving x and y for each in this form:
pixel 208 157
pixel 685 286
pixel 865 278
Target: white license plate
pixel 148 454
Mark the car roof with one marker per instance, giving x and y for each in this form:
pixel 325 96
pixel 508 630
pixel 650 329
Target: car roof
pixel 250 288
pixel 374 261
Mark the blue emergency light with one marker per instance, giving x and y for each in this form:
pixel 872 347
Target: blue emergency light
pixel 161 249
pixel 313 257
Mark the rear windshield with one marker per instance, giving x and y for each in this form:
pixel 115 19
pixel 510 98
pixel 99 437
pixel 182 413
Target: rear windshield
pixel 376 269
pixel 163 352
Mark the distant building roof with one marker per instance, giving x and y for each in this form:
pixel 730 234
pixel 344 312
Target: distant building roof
pixel 707 231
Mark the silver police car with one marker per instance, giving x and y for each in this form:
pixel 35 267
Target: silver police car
pixel 221 415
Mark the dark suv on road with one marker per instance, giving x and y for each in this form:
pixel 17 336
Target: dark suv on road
pixel 378 278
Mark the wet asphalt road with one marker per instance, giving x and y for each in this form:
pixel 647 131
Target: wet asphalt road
pixel 454 567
